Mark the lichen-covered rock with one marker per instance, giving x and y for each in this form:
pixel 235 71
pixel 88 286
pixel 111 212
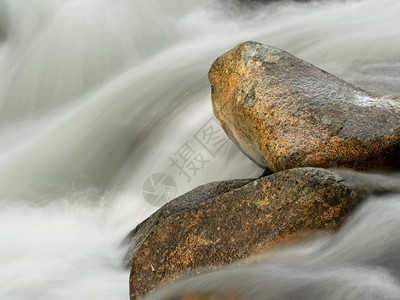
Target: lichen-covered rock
pixel 283 112
pixel 185 202
pixel 220 223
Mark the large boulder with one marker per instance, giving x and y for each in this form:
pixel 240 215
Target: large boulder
pixel 220 223
pixel 361 261
pixel 283 112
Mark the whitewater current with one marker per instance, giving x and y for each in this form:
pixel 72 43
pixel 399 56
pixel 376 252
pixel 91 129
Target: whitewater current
pixel 98 101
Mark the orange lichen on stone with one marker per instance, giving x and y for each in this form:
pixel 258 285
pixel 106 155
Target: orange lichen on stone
pixel 204 230
pixel 283 112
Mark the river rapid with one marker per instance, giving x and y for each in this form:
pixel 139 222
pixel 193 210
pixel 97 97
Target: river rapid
pixel 98 97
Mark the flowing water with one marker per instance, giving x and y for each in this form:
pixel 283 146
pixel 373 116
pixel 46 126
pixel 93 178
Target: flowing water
pixel 100 99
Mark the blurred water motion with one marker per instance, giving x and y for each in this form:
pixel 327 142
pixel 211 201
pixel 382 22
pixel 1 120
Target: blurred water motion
pixel 96 96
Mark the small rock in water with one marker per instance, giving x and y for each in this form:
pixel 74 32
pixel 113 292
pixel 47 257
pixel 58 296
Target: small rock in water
pixel 283 112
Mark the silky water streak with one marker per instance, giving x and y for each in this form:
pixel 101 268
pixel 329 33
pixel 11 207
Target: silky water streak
pixel 96 95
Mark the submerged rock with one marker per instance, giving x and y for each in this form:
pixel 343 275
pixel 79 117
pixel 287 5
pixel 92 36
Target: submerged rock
pixel 283 112
pixel 220 223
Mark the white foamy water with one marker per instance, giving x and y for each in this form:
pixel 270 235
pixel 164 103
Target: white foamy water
pixel 96 96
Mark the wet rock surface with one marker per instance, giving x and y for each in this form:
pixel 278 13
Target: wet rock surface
pixel 220 223
pixel 185 202
pixel 283 112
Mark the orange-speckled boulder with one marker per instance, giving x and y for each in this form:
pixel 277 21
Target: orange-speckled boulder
pixel 220 223
pixel 283 112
